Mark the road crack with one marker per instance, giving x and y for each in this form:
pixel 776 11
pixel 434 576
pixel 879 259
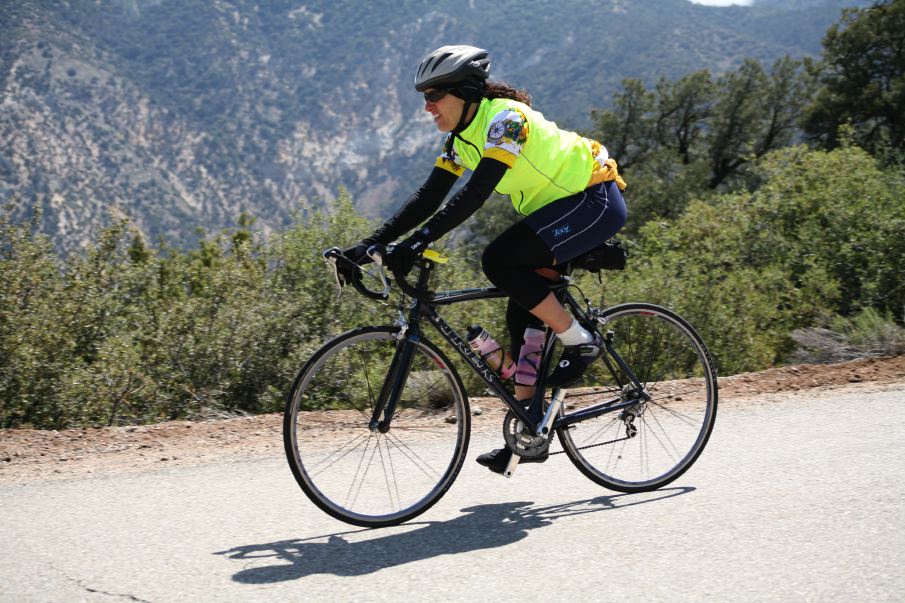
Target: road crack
pixel 98 591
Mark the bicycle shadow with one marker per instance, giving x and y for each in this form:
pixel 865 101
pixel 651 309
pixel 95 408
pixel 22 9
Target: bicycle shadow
pixel 480 527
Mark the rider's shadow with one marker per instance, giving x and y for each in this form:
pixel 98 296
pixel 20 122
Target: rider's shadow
pixel 480 527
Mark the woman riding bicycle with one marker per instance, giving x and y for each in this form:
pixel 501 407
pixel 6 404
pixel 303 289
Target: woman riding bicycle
pixel 565 186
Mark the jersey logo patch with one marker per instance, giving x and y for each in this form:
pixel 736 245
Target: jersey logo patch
pixel 496 131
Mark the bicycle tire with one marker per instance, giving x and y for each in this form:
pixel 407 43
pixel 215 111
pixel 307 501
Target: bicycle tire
pixel 345 468
pixel 673 427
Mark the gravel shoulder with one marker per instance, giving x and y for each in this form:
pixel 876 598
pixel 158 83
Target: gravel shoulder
pixel 34 455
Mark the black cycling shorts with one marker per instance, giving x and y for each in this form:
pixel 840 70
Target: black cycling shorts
pixel 577 224
pixel 554 234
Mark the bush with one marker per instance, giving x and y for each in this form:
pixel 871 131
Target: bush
pixel 865 334
pixel 822 235
pixel 127 334
pixel 124 334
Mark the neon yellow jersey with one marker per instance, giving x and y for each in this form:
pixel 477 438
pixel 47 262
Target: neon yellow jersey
pixel 545 162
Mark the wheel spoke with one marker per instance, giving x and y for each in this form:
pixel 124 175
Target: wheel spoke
pixel 602 430
pixel 386 476
pixel 684 418
pixel 425 391
pixel 338 454
pixel 418 429
pixel 364 475
pixel 673 393
pixel 675 451
pixel 414 457
pixel 364 369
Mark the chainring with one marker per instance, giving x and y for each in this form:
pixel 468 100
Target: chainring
pixel 521 441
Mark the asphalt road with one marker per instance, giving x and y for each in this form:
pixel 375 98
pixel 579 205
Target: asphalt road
pixel 796 499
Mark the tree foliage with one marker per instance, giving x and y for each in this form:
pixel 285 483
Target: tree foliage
pixel 862 77
pixel 823 235
pixel 698 133
pixel 125 333
pixel 142 335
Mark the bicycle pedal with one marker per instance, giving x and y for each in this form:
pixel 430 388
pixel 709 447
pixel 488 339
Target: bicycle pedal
pixel 511 465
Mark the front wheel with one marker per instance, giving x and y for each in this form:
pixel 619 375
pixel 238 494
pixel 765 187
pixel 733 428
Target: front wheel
pixel 375 477
pixel 669 412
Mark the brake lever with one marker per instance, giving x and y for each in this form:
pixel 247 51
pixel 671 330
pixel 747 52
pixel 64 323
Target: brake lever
pixel 375 252
pixel 330 258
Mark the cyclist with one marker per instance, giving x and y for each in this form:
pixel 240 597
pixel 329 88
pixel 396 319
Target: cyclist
pixel 565 186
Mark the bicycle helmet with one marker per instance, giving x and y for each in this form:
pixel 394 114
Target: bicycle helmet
pixel 449 66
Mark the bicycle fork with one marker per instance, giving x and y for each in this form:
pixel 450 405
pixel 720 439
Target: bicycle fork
pixel 392 386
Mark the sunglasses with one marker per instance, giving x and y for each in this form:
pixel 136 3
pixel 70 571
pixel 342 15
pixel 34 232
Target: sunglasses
pixel 435 95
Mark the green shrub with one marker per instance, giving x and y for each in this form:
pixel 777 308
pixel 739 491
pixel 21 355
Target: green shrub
pixel 823 234
pixel 123 333
pixel 867 333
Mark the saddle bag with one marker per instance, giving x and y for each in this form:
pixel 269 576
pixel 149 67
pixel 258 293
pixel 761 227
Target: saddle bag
pixel 609 256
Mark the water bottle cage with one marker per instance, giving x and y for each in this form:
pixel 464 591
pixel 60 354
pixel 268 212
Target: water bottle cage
pixel 486 357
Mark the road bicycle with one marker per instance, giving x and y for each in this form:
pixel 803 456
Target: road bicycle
pixel 377 423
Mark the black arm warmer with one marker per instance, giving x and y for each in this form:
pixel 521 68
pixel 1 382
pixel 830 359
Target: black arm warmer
pixel 467 201
pixel 419 207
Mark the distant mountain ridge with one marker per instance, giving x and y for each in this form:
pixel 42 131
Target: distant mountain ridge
pixel 184 114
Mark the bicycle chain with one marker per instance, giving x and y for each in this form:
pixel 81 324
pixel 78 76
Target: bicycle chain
pixel 593 445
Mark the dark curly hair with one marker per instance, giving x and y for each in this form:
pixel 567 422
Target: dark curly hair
pixel 498 89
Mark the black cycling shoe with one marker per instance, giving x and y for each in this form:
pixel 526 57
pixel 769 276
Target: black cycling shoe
pixel 497 460
pixel 574 361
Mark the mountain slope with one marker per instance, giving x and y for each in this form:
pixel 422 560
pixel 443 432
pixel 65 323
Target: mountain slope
pixel 184 114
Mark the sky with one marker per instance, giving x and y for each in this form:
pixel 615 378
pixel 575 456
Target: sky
pixel 722 2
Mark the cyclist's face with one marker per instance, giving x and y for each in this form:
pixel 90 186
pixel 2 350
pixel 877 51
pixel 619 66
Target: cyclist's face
pixel 445 111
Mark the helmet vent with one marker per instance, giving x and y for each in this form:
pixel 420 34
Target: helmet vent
pixel 440 60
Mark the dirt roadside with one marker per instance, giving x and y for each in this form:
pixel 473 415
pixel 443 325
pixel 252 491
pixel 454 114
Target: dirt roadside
pixel 28 455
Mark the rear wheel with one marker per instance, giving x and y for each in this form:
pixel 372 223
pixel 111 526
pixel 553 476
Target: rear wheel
pixel 657 437
pixel 374 477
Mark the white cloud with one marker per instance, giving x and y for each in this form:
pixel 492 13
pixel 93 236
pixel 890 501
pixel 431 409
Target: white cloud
pixel 723 2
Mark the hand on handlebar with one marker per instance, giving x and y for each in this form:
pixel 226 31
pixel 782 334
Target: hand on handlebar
pixel 357 254
pixel 401 258
pixel 379 254
pixel 348 273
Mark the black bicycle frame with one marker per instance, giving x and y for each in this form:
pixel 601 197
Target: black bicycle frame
pixel 402 361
